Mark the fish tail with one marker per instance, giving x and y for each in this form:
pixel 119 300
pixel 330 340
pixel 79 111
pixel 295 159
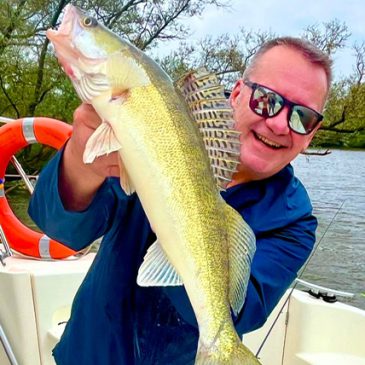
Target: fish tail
pixel 238 354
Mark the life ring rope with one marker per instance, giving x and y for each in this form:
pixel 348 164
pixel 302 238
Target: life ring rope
pixel 14 136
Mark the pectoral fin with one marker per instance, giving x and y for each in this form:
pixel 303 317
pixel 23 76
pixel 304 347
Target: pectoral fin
pixel 102 142
pixel 242 246
pixel 156 269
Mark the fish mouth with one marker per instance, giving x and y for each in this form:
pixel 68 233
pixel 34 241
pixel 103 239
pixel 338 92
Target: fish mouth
pixel 63 40
pixel 71 15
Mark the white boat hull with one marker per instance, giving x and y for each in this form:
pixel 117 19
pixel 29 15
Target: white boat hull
pixel 36 297
pixel 310 331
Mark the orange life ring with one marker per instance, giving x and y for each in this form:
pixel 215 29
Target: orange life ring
pixel 13 137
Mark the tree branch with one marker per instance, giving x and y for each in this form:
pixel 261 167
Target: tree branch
pixel 3 88
pixel 167 21
pixel 310 153
pixel 40 74
pixel 11 27
pixel 345 131
pixel 115 17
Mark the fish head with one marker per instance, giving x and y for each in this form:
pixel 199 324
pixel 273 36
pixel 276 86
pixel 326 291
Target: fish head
pixel 78 42
pixel 93 57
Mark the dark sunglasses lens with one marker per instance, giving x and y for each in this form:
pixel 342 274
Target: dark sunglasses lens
pixel 265 102
pixel 303 120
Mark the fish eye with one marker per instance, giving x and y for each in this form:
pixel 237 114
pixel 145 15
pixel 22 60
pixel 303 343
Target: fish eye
pixel 89 22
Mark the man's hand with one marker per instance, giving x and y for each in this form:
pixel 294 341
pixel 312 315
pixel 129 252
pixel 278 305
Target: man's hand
pixel 86 120
pixel 79 182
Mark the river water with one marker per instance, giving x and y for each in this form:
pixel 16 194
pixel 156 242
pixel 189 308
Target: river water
pixel 336 185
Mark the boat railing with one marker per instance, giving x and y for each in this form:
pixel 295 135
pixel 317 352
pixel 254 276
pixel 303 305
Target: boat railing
pixel 327 294
pixel 7 250
pixel 8 349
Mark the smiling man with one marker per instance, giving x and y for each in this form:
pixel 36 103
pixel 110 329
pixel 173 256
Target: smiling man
pixel 296 77
pixel 277 108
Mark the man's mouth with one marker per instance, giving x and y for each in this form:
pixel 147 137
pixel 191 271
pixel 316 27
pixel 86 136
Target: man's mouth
pixel 267 141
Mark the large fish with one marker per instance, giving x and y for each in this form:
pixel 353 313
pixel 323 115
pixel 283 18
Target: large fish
pixel 202 242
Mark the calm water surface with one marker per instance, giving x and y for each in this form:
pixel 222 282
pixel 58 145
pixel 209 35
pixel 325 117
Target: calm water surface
pixel 336 185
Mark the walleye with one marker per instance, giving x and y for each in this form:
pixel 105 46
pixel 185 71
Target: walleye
pixel 202 242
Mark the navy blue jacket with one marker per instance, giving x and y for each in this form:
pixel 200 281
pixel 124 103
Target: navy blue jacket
pixel 113 320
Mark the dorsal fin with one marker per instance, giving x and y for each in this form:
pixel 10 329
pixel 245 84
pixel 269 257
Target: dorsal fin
pixel 209 107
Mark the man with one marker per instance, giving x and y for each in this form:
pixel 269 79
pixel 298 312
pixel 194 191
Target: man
pixel 113 320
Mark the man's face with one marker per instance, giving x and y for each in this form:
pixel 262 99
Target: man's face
pixel 268 144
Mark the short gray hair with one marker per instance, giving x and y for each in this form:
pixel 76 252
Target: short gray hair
pixel 313 54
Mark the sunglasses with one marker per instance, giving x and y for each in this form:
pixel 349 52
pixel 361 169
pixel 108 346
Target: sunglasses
pixel 268 103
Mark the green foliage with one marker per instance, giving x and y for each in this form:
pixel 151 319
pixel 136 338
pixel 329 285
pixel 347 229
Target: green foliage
pixel 31 81
pixel 225 55
pixel 345 114
pixel 355 140
pixel 60 102
pixel 327 139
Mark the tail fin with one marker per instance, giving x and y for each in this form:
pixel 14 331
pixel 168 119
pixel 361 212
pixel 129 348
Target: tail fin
pixel 238 354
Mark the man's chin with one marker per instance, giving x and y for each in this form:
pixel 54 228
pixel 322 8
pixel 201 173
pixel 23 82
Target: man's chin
pixel 258 167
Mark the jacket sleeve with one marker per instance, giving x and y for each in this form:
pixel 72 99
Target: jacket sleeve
pixel 75 229
pixel 278 258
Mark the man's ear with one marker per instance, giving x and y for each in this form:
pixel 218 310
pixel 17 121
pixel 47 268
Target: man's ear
pixel 235 94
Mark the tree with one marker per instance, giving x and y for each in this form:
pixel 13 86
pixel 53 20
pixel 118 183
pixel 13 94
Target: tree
pixel 32 79
pixel 226 55
pixel 229 56
pixel 345 110
pixel 31 82
pixel 328 36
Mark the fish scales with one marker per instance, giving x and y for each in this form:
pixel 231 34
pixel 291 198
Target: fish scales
pixel 198 212
pixel 164 159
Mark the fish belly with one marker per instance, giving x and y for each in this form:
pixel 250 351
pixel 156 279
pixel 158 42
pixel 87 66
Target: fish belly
pixel 166 161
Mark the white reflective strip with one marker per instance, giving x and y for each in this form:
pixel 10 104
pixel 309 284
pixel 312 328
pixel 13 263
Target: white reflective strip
pixel 2 193
pixel 44 243
pixel 28 130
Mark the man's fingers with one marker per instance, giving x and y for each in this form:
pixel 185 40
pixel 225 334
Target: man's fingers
pixel 86 120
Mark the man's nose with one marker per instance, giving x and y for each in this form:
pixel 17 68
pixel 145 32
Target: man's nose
pixel 279 123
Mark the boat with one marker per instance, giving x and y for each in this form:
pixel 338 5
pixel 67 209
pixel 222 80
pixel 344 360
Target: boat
pixel 36 298
pixel 307 327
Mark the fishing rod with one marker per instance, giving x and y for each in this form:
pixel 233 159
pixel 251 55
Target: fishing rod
pixel 301 281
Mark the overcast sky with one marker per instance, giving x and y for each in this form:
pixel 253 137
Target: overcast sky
pixel 286 17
